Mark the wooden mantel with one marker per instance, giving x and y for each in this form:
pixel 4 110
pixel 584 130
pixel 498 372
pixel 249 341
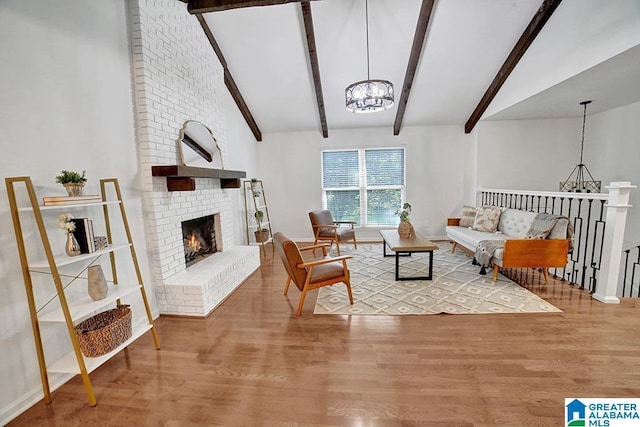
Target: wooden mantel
pixel 181 178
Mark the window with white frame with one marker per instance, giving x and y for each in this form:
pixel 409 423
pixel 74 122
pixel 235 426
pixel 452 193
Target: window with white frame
pixel 364 185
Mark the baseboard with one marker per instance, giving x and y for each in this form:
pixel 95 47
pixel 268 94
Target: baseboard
pixel 35 395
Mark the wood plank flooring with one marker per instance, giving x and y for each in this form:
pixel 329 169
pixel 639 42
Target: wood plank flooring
pixel 252 363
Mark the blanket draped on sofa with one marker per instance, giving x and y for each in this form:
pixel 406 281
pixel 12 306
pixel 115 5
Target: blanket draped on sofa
pixel 542 225
pixel 540 228
pixel 485 251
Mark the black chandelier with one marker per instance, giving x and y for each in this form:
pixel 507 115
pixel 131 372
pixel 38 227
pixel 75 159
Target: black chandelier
pixel 369 96
pixel 578 183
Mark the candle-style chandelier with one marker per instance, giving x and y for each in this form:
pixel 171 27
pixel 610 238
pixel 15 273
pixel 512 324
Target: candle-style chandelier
pixel 369 96
pixel 576 182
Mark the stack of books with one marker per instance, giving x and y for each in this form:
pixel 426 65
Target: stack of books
pixel 84 235
pixel 70 200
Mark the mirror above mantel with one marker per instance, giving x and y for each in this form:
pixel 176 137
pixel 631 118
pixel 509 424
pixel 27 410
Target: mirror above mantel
pixel 198 147
pixel 201 158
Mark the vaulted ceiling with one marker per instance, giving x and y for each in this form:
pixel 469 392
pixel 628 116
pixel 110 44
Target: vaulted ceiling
pixel 284 83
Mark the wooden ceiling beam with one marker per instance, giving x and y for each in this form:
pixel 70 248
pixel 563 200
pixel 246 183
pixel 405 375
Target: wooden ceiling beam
pixel 414 58
pixel 204 6
pixel 526 39
pixel 230 82
pixel 315 69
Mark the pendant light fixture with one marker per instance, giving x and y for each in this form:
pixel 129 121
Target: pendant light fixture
pixel 579 184
pixel 369 96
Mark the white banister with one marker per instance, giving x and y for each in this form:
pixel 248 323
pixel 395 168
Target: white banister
pixel 595 196
pixel 616 219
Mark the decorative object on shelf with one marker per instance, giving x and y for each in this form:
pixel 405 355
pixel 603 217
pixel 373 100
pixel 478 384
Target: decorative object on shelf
pixel 71 247
pixel 579 184
pixel 259 215
pixel 262 235
pixel 72 181
pixel 255 188
pixel 70 200
pixel 84 234
pixel 368 96
pixel 100 242
pixel 102 333
pixel 96 283
pixel 405 228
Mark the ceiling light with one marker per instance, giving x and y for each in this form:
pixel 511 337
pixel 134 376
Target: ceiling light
pixel 369 96
pixel 579 184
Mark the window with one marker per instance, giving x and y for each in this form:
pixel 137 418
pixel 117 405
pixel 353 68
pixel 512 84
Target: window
pixel 365 186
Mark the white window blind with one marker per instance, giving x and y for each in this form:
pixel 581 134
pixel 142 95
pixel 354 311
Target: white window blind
pixel 365 185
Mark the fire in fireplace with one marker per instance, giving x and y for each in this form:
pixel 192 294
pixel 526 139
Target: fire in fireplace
pixel 199 239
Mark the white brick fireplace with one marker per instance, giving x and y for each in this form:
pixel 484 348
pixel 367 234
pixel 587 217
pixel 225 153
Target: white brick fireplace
pixel 196 290
pixel 178 78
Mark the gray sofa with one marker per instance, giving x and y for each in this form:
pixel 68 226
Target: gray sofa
pixel 518 251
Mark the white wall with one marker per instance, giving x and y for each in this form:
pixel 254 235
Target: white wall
pixel 289 164
pixel 242 153
pixel 527 154
pixel 612 141
pixel 66 103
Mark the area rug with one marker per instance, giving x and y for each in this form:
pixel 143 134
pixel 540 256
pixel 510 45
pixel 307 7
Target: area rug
pixel 456 288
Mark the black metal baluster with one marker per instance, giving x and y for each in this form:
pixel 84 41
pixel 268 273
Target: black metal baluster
pixel 624 276
pixel 633 274
pixel 575 255
pixel 586 243
pixel 596 261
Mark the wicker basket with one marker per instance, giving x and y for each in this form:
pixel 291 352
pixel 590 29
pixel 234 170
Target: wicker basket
pixel 105 331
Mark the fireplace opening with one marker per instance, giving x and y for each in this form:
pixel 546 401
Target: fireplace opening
pixel 199 238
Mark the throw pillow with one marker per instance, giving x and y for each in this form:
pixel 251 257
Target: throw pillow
pixel 487 219
pixel 468 216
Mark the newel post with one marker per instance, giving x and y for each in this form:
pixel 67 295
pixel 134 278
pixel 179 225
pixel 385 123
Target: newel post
pixel 616 218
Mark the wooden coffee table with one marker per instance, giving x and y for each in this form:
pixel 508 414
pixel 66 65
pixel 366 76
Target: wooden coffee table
pixel 405 247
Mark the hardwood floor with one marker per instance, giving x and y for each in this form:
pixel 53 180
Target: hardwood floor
pixel 252 362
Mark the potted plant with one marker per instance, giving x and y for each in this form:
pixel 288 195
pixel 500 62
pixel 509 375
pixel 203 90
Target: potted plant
pixel 405 228
pixel 262 235
pixel 259 215
pixel 72 181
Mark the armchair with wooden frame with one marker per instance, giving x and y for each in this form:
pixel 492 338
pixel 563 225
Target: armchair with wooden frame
pixel 325 228
pixel 311 274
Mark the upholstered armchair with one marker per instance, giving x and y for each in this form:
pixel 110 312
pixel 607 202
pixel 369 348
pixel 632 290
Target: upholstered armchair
pixel 325 228
pixel 311 274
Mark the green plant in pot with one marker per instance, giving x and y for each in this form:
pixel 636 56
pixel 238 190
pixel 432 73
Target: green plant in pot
pixel 405 228
pixel 72 181
pixel 259 215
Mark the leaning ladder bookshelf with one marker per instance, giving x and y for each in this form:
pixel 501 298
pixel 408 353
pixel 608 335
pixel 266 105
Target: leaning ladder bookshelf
pixel 257 218
pixel 73 311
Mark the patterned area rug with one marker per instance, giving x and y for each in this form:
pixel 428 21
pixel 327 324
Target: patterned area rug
pixel 456 288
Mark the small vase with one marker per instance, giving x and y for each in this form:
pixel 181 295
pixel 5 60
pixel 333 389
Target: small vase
pixel 405 229
pixel 72 248
pixel 97 284
pixel 73 189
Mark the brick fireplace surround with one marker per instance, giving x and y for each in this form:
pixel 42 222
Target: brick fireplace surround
pixel 177 77
pixel 198 289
